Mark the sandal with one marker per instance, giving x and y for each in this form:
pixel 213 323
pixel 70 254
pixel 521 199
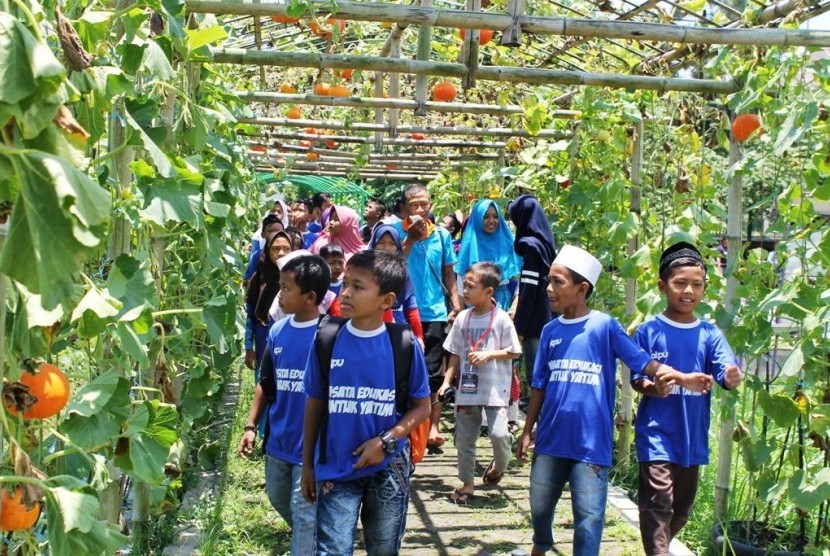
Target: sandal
pixel 460 496
pixel 492 477
pixel 436 442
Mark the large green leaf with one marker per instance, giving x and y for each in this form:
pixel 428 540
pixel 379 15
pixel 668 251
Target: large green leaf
pixel 173 201
pixel 132 284
pixel 778 407
pixel 60 216
pixel 157 155
pixel 219 315
pixel 755 453
pixel 95 311
pixel 152 430
pixel 808 492
pixel 97 411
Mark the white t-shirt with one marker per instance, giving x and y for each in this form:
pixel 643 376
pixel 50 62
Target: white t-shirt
pixel 487 383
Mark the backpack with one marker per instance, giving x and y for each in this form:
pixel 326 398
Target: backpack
pixel 402 339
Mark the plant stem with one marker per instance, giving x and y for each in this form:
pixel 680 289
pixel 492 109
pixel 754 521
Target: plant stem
pixel 174 312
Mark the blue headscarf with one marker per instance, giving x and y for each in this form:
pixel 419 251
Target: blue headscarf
pixel 477 245
pixel 381 229
pixel 532 229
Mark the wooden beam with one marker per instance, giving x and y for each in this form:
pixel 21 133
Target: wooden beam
pixel 401 103
pixel 389 175
pixel 424 51
pixel 487 73
pixel 572 27
pixel 451 143
pixel 433 130
pixel 389 157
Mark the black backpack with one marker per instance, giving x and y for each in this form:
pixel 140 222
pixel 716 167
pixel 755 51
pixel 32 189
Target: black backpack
pixel 402 339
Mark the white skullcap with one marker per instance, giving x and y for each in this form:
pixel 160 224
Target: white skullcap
pixel 282 261
pixel 580 261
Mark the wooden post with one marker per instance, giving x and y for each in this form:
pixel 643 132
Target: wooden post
pixel 733 253
pixel 627 392
pixel 469 52
pixel 512 35
pixel 424 50
pixel 502 163
pixel 258 39
pixel 394 89
pixel 378 146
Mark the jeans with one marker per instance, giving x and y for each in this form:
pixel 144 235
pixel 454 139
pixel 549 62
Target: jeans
pixel 589 491
pixel 282 483
pixel 381 500
pixel 530 347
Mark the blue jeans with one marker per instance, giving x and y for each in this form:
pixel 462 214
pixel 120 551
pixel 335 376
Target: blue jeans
pixel 589 491
pixel 282 483
pixel 381 500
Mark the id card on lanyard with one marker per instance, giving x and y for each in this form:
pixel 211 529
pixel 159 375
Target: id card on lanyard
pixel 469 372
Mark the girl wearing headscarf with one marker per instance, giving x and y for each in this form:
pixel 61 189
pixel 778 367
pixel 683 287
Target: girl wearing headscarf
pixel 386 238
pixel 341 226
pixel 262 289
pixel 278 209
pixel 535 244
pixel 488 238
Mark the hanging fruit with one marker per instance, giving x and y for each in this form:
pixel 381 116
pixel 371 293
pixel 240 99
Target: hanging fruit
pixel 327 31
pixel 340 91
pixel 444 92
pixel 288 89
pixel 744 125
pixel 284 19
pixel 259 149
pixel 49 390
pixel 322 89
pixel 344 73
pixel 418 136
pixel 294 113
pixel 312 156
pixel 331 143
pixel 484 35
pixel 14 515
pixel 305 143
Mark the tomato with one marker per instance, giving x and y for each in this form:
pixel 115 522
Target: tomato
pixel 312 156
pixel 322 89
pixel 340 91
pixel 259 149
pixel 294 113
pixel 418 136
pixel 484 35
pixel 744 125
pixel 305 143
pixel 284 19
pixel 344 73
pixel 14 515
pixel 331 143
pixel 327 31
pixel 288 88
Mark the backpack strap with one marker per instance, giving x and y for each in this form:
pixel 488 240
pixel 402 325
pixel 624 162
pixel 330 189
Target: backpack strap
pixel 327 330
pixel 402 339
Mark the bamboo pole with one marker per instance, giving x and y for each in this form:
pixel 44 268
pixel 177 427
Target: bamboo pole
pixel 433 130
pixel 512 35
pixel 733 234
pixel 469 50
pixel 391 157
pixel 401 103
pixel 565 26
pixel 258 42
pixel 424 50
pixel 487 73
pixel 394 89
pixel 365 175
pixel 379 75
pixel 450 143
pixel 333 163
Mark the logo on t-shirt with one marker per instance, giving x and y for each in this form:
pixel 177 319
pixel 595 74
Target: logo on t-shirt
pixel 660 355
pixel 277 350
pixel 337 363
pixel 554 342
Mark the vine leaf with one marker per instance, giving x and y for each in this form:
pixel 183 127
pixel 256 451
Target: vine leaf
pixel 807 494
pixel 60 217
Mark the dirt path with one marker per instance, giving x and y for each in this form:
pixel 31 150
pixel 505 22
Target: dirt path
pixel 496 521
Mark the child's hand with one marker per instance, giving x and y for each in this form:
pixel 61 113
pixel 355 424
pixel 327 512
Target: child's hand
pixel 663 385
pixel 522 446
pixel 443 390
pixel 308 485
pixel 696 382
pixel 370 452
pixel 246 445
pixel 478 357
pixel 250 359
pixel 732 376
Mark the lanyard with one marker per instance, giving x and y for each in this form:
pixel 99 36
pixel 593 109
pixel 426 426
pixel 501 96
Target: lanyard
pixel 477 344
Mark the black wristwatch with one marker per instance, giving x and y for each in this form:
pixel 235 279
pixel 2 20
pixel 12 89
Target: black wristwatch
pixel 390 444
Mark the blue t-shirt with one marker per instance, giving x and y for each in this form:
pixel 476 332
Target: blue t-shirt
pixel 576 367
pixel 289 342
pixel 309 238
pixel 361 401
pixel 336 287
pixel 252 260
pixel 406 302
pixel 676 428
pixel 425 264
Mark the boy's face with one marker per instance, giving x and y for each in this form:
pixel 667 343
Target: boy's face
pixel 371 212
pixel 291 299
pixel 299 215
pixel 683 290
pixel 361 297
pixel 336 264
pixel 563 293
pixel 475 293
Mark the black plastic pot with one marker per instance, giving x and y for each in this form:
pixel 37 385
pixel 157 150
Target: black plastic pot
pixel 752 538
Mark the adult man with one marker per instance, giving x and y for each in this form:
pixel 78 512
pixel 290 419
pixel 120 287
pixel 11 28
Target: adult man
pixel 319 203
pixel 430 261
pixel 374 211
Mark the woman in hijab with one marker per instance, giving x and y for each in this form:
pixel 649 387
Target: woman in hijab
pixel 262 289
pixel 341 226
pixel 488 238
pixel 535 244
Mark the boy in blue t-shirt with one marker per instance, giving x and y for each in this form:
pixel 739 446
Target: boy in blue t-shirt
pixel 303 284
pixel 572 397
pixel 672 423
pixel 367 468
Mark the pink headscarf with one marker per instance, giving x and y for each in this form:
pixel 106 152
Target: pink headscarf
pixel 349 237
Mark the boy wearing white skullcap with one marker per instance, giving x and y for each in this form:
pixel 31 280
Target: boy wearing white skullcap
pixel 672 424
pixel 572 397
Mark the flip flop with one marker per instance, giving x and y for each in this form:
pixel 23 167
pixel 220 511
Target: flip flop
pixel 489 478
pixel 436 442
pixel 459 496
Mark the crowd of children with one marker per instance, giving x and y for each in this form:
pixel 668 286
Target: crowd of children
pixel 358 334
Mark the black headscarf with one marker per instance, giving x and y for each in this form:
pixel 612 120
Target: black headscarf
pixel 532 229
pixel 265 283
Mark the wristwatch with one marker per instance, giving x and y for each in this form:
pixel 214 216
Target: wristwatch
pixel 390 444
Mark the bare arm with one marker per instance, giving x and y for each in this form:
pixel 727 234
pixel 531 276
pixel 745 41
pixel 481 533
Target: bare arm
pixel 537 397
pixel 246 444
pixel 371 452
pixel 449 373
pixel 478 357
pixel 452 288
